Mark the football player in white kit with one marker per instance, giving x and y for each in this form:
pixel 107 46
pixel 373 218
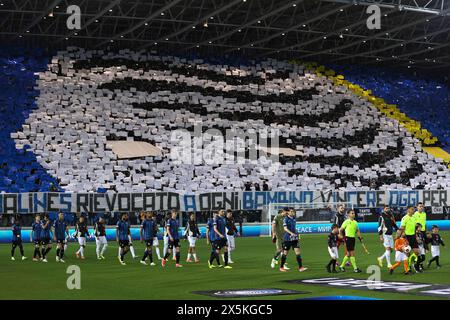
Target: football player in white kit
pixel 232 233
pixel 192 232
pixel 100 238
pixel 386 228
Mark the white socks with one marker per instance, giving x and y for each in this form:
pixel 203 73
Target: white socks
pixel 100 253
pixel 132 251
pixel 158 253
pixel 387 255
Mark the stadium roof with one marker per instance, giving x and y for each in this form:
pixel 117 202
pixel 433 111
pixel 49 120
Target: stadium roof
pixel 413 32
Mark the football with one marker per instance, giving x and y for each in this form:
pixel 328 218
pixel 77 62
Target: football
pixel 407 249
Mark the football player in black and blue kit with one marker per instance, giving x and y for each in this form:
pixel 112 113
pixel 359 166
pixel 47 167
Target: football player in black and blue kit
pixel 122 232
pixel 17 238
pixel 219 239
pixel 60 232
pixel 210 235
pixel 45 237
pixel 290 240
pixel 174 240
pixel 147 233
pixel 35 236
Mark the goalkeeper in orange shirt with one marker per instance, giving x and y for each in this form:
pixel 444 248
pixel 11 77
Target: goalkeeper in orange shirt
pixel 402 250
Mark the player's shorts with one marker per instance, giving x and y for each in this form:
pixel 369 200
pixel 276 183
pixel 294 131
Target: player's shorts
pixel 290 244
pixel 350 243
pixel 400 256
pixel 388 241
pixel 124 243
pixel 101 240
pixel 435 251
pixel 421 249
pixel 334 253
pixel 175 243
pixel 220 243
pixel 231 242
pixel 37 242
pixel 82 241
pixel 192 241
pixel 45 241
pixel 412 240
pixel 17 242
pixel 148 242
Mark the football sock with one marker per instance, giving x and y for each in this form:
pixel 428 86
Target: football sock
pixel 437 261
pixel 229 255
pixel 334 264
pixel 299 260
pixel 225 258
pixel 61 253
pixel 13 248
pixel 277 255
pixel 195 256
pixel 132 251
pixel 330 263
pixel 145 255
pixel 212 257
pixel 387 255
pixel 344 261
pixel 166 255
pixel 57 252
pixel 65 247
pixel 396 264
pixel 157 252
pixel 353 262
pixel 177 256
pixel 35 252
pixel 97 250
pixel 283 260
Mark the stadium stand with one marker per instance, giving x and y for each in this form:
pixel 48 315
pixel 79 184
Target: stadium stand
pixel 422 98
pixel 330 136
pixel 19 170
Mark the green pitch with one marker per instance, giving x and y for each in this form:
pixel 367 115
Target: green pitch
pixel 109 280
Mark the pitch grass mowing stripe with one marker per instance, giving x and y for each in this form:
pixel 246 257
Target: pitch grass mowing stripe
pixel 109 280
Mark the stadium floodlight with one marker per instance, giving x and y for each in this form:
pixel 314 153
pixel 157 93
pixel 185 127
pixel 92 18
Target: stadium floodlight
pixel 309 215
